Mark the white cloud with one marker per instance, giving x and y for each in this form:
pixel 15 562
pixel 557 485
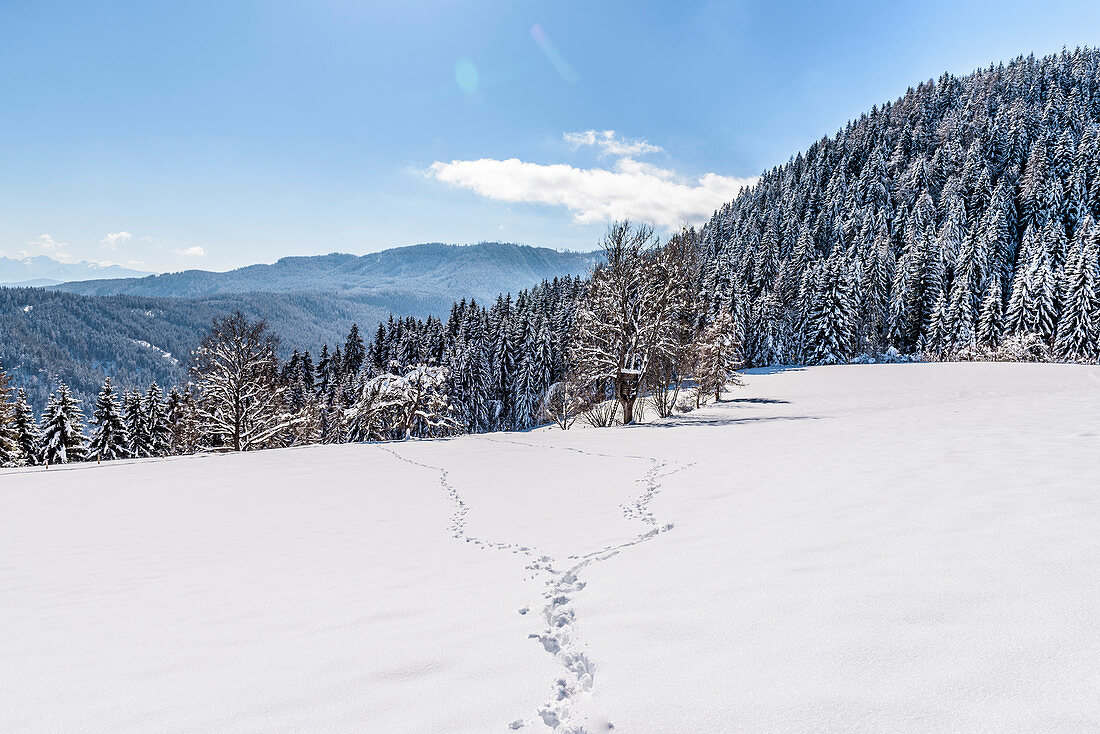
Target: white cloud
pixel 44 244
pixel 628 190
pixel 111 240
pixel 609 143
pixel 194 251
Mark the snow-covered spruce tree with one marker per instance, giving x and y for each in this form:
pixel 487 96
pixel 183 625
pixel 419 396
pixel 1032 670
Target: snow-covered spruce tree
pixel 1079 326
pixel 770 333
pixel 156 421
pixel 534 372
pixel 355 352
pixel 63 428
pixel 991 318
pixel 717 358
pixel 1031 307
pixel 109 440
pixel 935 338
pixel 240 403
pixel 959 325
pixel 11 453
pixel 30 438
pixel 138 444
pixel 833 316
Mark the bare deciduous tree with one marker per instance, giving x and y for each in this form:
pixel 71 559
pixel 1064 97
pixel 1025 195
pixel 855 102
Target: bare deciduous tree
pixel 717 358
pixel 623 318
pixel 240 405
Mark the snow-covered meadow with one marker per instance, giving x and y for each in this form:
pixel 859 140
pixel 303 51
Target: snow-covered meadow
pixel 863 548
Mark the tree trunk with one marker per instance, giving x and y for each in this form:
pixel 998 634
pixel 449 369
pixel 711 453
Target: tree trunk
pixel 628 411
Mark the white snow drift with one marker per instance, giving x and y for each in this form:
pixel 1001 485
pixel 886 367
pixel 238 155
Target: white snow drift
pixel 864 548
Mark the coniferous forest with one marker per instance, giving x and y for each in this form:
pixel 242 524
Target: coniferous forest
pixel 957 223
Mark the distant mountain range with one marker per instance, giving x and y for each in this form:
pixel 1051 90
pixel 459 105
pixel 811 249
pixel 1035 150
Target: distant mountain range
pixel 42 270
pixel 431 272
pixel 83 331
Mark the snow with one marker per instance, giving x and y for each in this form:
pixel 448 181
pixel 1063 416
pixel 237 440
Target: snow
pixel 911 547
pixel 147 345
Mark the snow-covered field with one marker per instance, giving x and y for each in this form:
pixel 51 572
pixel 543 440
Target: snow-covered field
pixel 863 548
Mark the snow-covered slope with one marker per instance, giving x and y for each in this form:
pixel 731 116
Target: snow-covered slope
pixel 864 548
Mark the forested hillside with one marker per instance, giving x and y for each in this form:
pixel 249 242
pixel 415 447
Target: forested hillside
pixel 308 301
pixel 957 220
pixel 45 335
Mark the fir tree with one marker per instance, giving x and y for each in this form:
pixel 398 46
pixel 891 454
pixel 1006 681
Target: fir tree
pixel 26 429
pixel 11 453
pixel 833 315
pixel 354 351
pixel 991 318
pixel 1079 326
pixel 62 428
pixel 109 440
pixel 157 431
pixel 137 435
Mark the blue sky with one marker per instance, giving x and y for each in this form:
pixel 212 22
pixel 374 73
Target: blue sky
pixel 217 134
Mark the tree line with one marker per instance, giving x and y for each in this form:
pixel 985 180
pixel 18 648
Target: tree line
pixel 564 349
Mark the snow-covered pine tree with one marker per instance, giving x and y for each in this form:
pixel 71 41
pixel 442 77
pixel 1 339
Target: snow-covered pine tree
pixel 63 428
pixel 109 440
pixel 959 325
pixel 933 339
pixel 834 315
pixel 324 370
pixel 1078 336
pixel 991 318
pixel 11 453
pixel 30 438
pixel 1031 307
pixel 156 421
pixel 139 445
pixel 354 350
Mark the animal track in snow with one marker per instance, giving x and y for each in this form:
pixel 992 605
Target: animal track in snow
pixel 559 636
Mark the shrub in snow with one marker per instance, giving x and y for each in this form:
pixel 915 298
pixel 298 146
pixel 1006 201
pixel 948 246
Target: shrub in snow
pixel 403 403
pixel 561 404
pixel 1023 348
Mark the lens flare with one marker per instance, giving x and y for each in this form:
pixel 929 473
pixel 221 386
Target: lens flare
pixel 553 55
pixel 466 76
